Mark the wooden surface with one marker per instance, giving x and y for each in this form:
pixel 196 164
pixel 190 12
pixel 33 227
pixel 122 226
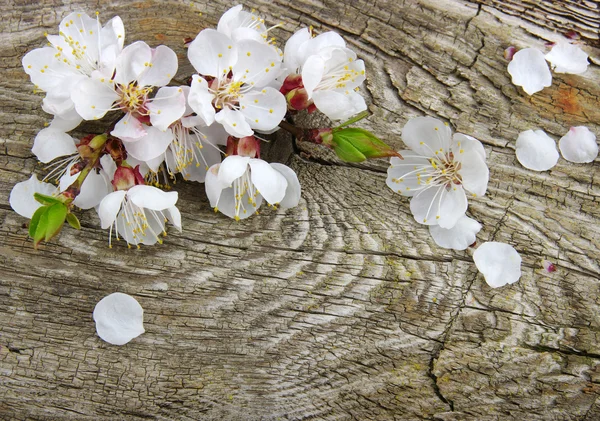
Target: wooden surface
pixel 342 308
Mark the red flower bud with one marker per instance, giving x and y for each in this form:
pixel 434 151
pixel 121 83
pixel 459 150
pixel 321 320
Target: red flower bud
pixel 291 82
pixel 126 177
pixel 246 146
pixel 297 99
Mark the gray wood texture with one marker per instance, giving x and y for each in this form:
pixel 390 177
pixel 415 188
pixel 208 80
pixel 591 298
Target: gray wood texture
pixel 342 308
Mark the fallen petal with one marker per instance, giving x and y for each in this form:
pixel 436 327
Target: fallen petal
pixel 119 318
pixel 499 262
pixel 579 145
pixel 568 58
pixel 529 70
pixel 536 150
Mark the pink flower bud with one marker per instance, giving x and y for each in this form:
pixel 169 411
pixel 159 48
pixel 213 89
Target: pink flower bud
pixel 291 82
pixel 246 146
pixel 126 177
pixel 297 99
pixel 510 52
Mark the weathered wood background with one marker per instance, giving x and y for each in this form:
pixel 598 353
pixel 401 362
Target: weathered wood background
pixel 342 308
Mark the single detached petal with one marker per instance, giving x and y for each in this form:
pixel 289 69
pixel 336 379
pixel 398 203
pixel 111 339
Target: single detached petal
pixel 529 70
pixel 21 196
pixel 154 144
pixel 109 208
pixel 499 262
pixel 231 168
pixel 459 237
pixel 119 318
pixel 200 100
pixel 51 143
pixel 129 129
pixel 268 181
pixel 536 150
pixel 234 122
pixel 339 106
pixel 212 53
pixel 579 145
pixel 293 190
pixel 150 197
pixel 426 136
pixel 567 58
pixel 263 109
pixel 166 107
pixel 161 68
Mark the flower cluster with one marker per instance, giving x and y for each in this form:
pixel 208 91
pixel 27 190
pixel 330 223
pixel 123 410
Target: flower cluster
pixel 207 130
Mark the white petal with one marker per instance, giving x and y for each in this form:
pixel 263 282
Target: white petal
pixel 403 175
pixel 21 196
pixel 291 57
pixel 108 166
pixel 459 237
pixel 567 58
pixel 269 182
pixel 66 121
pixel 312 73
pixel 499 262
pixel 174 217
pixel 51 143
pixel 426 135
pixel 166 107
pixel 109 208
pixel 339 106
pixel 67 179
pixel 161 68
pixel 212 52
pixel 150 197
pixel 93 190
pixel 474 171
pixel 292 192
pixel 466 142
pixel 129 129
pixel 44 69
pixel 112 37
pixel 93 98
pixel 263 109
pixel 536 150
pixel 234 122
pixel 213 185
pixel 231 168
pixel 228 19
pixel 152 145
pixel 83 30
pixel 579 145
pixel 529 69
pixel 200 100
pixel 439 205
pixel 257 64
pixel 132 62
pixel 320 42
pixel 119 318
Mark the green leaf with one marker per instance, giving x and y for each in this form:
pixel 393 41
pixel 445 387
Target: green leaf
pixel 363 141
pixel 41 227
pixel 73 221
pixel 35 219
pixel 56 218
pixel 46 200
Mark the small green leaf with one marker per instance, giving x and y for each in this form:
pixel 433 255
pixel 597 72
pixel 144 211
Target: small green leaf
pixel 346 152
pixel 41 227
pixel 73 221
pixel 56 218
pixel 46 200
pixel 354 119
pixel 35 219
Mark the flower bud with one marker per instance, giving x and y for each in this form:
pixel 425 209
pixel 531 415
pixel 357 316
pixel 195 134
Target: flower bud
pixel 297 99
pixel 291 82
pixel 246 146
pixel 357 145
pixel 126 177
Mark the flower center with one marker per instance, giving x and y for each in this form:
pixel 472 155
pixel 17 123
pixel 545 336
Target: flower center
pixel 445 171
pixel 133 97
pixel 138 224
pixel 226 92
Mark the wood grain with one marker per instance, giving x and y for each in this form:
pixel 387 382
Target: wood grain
pixel 342 308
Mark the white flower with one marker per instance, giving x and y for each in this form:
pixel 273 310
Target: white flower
pixel 81 48
pixel 237 186
pixel 529 69
pixel 331 74
pixel 437 171
pixel 567 58
pixel 459 237
pixel 238 24
pixel 536 150
pixel 191 150
pixel 21 196
pixel 139 214
pixel 119 318
pixel 138 70
pixel 51 143
pixel 233 90
pixel 499 262
pixel 578 145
